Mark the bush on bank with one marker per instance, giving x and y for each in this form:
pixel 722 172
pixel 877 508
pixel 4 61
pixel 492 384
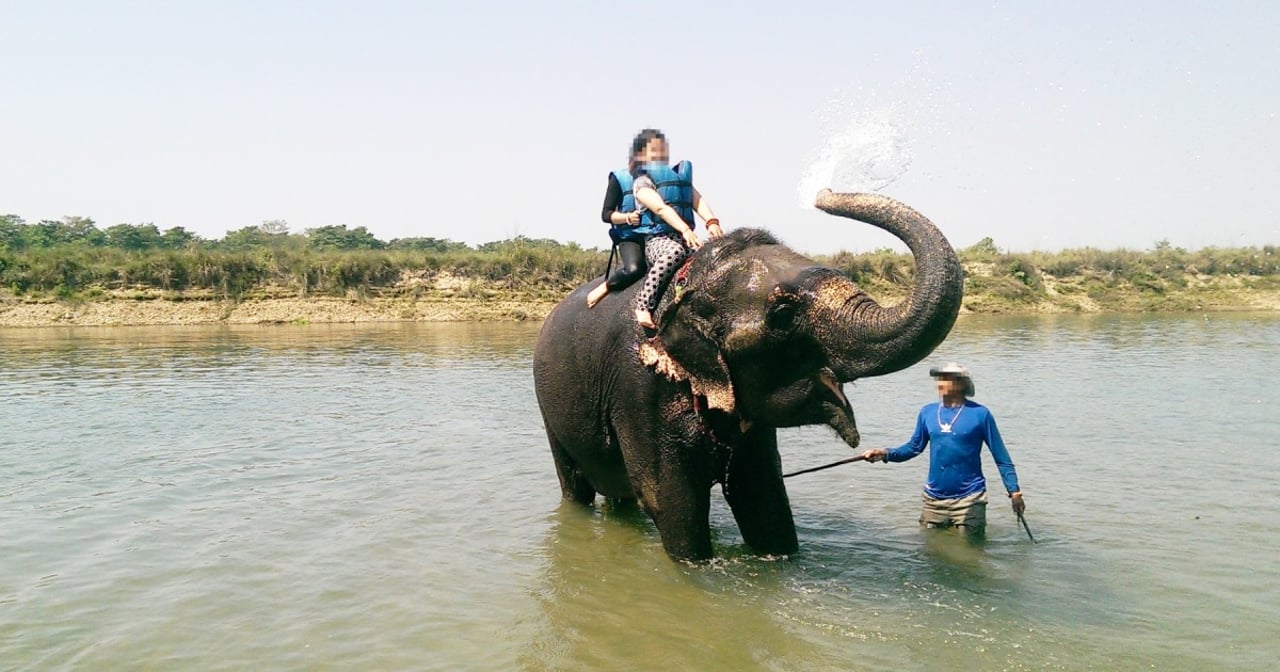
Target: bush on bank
pixel 67 258
pixel 74 258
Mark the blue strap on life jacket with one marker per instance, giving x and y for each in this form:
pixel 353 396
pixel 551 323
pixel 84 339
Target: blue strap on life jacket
pixel 623 232
pixel 675 186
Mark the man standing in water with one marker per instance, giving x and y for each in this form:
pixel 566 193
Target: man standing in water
pixel 956 492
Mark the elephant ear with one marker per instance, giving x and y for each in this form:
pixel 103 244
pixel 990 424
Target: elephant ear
pixel 684 351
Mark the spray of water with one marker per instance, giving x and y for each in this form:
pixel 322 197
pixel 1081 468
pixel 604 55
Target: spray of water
pixel 868 135
pixel 868 151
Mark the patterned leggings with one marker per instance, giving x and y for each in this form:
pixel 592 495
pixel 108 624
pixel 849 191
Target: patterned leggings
pixel 665 253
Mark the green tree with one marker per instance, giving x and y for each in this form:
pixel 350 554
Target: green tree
pixel 133 237
pixel 427 245
pixel 245 239
pixel 72 230
pixel 11 231
pixel 38 236
pixel 983 250
pixel 341 238
pixel 523 243
pixel 177 238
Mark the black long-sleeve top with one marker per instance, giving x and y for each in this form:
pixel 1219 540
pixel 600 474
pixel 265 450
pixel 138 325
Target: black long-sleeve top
pixel 612 198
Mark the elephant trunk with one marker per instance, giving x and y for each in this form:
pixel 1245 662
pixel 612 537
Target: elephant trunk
pixel 867 339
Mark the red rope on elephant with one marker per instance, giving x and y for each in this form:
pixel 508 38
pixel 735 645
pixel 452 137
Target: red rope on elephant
pixel 682 275
pixel 681 278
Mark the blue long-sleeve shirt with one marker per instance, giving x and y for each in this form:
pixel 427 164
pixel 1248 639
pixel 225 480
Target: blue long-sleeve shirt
pixel 955 463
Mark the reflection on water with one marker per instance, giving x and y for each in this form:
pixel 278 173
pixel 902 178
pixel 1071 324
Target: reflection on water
pixel 382 497
pixel 610 599
pixel 463 340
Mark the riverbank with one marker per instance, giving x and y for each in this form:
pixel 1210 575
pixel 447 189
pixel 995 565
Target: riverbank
pixel 146 310
pixel 448 298
pixel 71 273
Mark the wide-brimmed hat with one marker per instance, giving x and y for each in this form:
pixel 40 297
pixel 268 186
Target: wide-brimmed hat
pixel 959 372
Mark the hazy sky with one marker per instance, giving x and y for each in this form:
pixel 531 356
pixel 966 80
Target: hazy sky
pixel 1043 125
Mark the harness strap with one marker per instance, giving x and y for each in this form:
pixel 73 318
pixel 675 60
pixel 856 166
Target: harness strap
pixel 608 266
pixel 681 279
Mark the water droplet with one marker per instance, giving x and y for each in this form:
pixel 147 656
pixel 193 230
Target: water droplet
pixel 868 153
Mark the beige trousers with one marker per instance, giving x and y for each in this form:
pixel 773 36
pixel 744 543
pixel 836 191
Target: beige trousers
pixel 968 512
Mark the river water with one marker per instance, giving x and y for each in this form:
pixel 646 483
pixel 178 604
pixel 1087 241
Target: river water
pixel 382 497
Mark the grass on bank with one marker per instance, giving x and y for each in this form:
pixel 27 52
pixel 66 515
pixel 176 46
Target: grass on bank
pixel 1162 278
pixel 71 272
pixel 73 260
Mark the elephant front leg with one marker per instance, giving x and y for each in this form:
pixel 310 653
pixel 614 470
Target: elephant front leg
pixel 680 505
pixel 757 496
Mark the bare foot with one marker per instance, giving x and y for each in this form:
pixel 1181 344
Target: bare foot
pixel 596 294
pixel 645 319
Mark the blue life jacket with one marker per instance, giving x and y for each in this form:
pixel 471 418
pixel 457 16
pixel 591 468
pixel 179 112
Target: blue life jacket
pixel 675 186
pixel 623 232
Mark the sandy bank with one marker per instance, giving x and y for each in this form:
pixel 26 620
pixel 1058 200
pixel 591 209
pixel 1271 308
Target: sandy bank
pixel 132 312
pixel 156 309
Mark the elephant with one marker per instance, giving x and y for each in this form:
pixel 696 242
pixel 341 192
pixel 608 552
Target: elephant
pixel 751 336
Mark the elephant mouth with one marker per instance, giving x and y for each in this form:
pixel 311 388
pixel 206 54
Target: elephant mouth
pixel 838 410
pixel 817 399
pixel 828 380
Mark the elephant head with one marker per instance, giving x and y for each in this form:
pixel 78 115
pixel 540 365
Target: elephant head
pixel 768 335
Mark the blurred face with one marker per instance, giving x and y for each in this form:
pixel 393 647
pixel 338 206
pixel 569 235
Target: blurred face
pixel 656 150
pixel 948 386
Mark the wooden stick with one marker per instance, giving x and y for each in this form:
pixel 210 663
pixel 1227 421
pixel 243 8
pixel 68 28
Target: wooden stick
pixel 1028 529
pixel 825 466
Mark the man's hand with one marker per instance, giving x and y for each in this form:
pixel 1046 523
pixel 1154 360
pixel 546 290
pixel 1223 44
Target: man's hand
pixel 875 455
pixel 631 218
pixel 1018 505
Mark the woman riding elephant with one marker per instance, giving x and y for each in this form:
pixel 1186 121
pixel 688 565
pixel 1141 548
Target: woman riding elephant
pixel 620 213
pixel 666 201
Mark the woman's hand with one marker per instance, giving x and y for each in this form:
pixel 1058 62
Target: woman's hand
pixel 713 228
pixel 691 239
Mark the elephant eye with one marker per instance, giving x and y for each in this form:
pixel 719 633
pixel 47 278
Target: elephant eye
pixel 781 315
